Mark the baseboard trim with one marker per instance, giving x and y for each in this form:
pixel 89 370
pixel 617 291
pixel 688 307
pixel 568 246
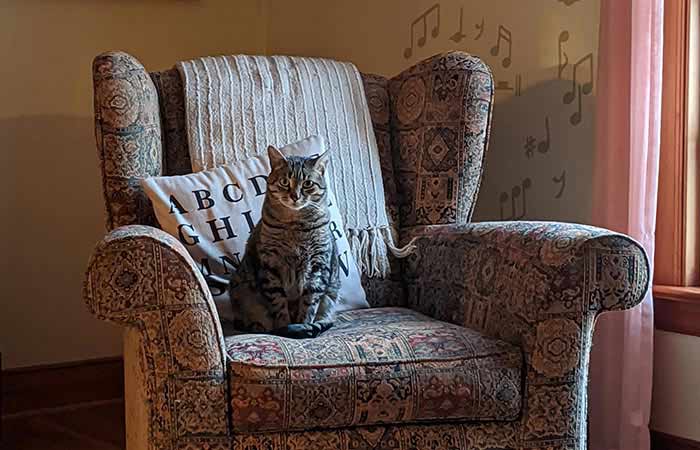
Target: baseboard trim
pixel 59 385
pixel 663 441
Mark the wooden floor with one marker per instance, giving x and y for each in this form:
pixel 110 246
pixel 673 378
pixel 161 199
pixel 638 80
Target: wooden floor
pixel 90 427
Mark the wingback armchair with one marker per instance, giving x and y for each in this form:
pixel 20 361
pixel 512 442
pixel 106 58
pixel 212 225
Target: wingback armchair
pixel 480 341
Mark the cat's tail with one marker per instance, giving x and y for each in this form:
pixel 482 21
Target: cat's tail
pixel 371 249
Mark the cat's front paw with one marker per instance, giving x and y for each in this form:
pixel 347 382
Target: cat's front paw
pixel 302 330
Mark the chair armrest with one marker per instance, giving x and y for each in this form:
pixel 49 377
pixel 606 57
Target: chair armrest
pixel 142 277
pixel 538 285
pixel 483 274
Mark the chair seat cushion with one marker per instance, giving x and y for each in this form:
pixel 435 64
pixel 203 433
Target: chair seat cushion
pixel 379 365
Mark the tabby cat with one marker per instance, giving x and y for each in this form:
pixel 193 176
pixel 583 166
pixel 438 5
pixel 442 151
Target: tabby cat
pixel 288 279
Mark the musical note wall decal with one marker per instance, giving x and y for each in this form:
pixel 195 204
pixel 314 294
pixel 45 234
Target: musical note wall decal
pixel 516 89
pixel 570 96
pixel 433 11
pixel 502 199
pixel 555 89
pixel 479 27
pixel 575 118
pixel 459 35
pixel 563 57
pixel 543 146
pixel 561 179
pixel 529 146
pixel 518 200
pixel 504 34
pixel 531 143
pixel 503 86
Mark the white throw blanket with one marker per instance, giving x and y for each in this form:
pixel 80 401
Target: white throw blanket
pixel 238 105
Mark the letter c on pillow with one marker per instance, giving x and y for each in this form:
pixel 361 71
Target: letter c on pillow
pixel 227 193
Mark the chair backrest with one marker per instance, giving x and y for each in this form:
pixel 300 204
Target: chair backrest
pixel 140 130
pixel 432 125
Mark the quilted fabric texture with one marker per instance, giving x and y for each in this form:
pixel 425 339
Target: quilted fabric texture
pixel 380 365
pixel 525 287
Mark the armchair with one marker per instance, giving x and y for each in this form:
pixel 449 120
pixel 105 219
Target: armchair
pixel 480 341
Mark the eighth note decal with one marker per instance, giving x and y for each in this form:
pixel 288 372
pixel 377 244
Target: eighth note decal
pixel 433 15
pixel 518 200
pixel 504 34
pixel 542 147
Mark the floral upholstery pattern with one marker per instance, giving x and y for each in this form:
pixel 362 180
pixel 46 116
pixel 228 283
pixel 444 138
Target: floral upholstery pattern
pixel 141 276
pixel 176 154
pixel 375 366
pixel 440 124
pixel 537 285
pixel 384 291
pixel 449 436
pixel 492 354
pixel 127 130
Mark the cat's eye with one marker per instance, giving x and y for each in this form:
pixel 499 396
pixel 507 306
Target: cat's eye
pixel 284 182
pixel 307 184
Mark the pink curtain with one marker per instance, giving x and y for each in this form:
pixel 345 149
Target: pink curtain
pixel 628 128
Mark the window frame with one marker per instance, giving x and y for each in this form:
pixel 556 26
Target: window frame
pixel 676 284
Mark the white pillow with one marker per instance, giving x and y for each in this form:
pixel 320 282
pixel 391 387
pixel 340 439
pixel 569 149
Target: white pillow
pixel 213 213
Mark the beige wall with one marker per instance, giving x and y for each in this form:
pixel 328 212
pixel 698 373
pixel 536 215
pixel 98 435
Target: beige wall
pixel 375 34
pixel 51 206
pixel 676 401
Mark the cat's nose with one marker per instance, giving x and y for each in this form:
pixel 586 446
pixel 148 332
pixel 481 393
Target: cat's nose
pixel 294 196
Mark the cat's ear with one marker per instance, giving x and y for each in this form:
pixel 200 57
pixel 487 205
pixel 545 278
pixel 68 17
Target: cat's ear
pixel 277 159
pixel 320 162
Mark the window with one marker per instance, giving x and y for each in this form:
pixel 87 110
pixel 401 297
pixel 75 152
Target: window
pixel 677 256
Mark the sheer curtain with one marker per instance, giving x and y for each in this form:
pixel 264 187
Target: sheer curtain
pixel 628 128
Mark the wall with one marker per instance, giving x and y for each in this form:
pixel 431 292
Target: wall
pixel 52 211
pixel 676 398
pixel 529 175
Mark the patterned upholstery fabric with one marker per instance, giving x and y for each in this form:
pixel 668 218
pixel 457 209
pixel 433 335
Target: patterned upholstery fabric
pixel 531 289
pixel 142 277
pixel 448 436
pixel 440 125
pixel 127 130
pixel 537 285
pixel 388 291
pixel 176 154
pixel 380 365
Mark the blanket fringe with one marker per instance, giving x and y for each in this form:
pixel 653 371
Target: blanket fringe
pixel 371 249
